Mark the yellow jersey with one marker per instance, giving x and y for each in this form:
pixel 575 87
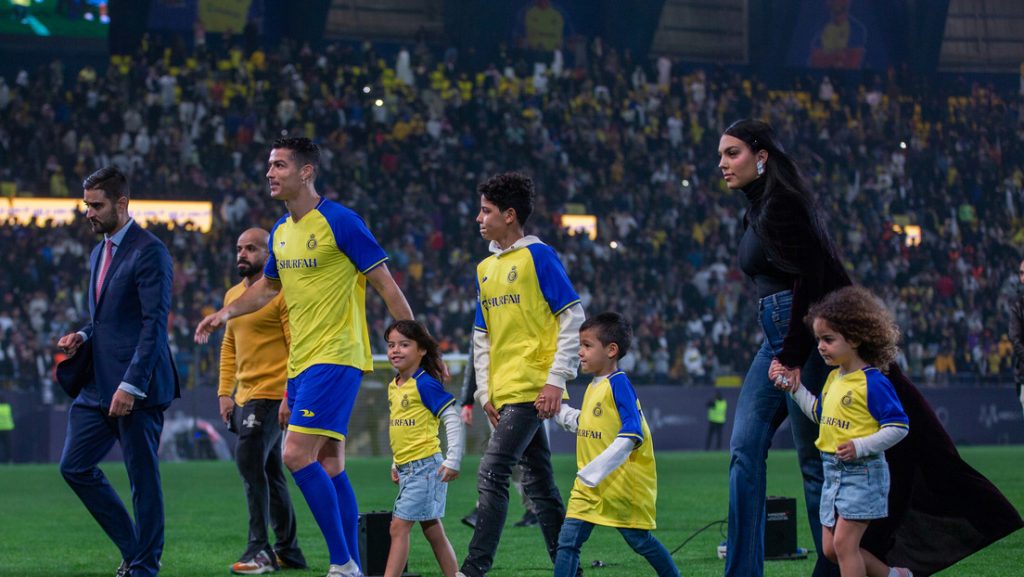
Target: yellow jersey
pixel 522 291
pixel 856 405
pixel 321 261
pixel 627 497
pixel 415 408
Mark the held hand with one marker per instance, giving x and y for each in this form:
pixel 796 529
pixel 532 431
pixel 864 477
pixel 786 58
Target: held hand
pixel 70 343
pixel 210 324
pixel 847 451
pixel 548 402
pixel 394 475
pixel 227 406
pixel 447 475
pixel 467 415
pixel 492 414
pixel 121 404
pixel 794 377
pixel 777 375
pixel 284 414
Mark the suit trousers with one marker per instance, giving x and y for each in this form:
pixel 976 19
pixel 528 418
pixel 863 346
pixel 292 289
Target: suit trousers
pixel 90 436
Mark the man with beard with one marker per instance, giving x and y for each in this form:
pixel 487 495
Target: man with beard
pixel 127 375
pixel 254 367
pixel 322 256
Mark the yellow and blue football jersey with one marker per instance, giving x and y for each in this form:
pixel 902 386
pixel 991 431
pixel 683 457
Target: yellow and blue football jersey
pixel 415 409
pixel 856 405
pixel 522 292
pixel 321 262
pixel 627 497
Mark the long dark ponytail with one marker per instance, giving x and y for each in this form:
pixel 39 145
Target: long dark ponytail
pixel 415 331
pixel 785 192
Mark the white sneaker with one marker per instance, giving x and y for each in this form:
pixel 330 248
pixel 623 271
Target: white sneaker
pixel 349 569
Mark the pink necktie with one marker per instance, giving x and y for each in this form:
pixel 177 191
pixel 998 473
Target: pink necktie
pixel 108 255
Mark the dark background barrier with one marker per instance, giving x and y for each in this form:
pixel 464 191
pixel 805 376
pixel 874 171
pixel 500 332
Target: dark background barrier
pixel 677 417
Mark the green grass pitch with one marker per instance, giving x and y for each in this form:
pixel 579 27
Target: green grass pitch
pixel 45 531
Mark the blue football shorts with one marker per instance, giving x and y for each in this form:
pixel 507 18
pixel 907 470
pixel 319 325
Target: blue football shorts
pixel 321 399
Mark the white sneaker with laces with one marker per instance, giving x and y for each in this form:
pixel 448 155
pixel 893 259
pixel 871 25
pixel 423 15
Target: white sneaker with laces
pixel 349 569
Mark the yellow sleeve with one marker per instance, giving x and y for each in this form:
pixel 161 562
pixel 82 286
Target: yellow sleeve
pixel 227 364
pixel 285 327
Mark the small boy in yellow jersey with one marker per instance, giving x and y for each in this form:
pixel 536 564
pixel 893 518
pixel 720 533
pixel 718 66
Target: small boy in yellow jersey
pixel 617 482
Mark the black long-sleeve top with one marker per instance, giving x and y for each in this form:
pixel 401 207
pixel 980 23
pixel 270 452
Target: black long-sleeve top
pixel 799 259
pixel 1017 337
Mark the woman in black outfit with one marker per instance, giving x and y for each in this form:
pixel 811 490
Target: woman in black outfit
pixel 788 253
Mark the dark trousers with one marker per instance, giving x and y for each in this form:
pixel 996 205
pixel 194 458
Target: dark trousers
pixel 6 447
pixel 258 456
pixel 518 438
pixel 715 431
pixel 91 434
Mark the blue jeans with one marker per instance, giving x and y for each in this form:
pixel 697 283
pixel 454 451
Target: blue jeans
pixel 760 410
pixel 575 533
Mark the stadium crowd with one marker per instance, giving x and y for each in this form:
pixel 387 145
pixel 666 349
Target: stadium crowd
pixel 406 140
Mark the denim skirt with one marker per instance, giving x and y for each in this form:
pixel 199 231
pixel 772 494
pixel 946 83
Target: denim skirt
pixel 421 492
pixel 856 490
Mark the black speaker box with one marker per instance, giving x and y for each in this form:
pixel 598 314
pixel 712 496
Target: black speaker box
pixel 375 543
pixel 780 529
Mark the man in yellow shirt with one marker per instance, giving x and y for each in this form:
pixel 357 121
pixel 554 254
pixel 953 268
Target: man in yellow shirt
pixel 254 368
pixel 322 255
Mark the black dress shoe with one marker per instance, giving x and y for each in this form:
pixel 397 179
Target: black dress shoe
pixel 529 520
pixel 123 570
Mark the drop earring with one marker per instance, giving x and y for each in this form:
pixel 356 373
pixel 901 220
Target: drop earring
pixel 760 167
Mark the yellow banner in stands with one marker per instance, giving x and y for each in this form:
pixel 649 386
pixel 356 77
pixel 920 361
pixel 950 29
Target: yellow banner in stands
pixel 224 15
pixel 580 223
pixel 197 214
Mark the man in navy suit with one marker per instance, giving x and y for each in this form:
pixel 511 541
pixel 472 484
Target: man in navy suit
pixel 133 377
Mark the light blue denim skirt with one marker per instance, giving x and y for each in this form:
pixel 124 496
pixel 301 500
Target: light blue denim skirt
pixel 855 490
pixel 421 493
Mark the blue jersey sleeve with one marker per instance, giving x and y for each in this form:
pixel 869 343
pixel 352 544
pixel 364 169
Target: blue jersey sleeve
pixel 554 282
pixel 270 269
pixel 353 237
pixel 432 393
pixel 883 404
pixel 479 322
pixel 628 407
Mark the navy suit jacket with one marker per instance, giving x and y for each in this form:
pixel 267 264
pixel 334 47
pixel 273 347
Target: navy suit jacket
pixel 128 330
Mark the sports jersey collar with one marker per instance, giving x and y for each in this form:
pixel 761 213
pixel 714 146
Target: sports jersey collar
pixel 525 241
pixel 599 378
pixel 319 203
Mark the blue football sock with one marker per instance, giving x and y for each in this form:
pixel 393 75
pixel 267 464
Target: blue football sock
pixel 349 514
pixel 322 499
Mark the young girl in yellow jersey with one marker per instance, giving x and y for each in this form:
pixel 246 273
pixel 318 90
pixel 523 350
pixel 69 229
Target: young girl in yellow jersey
pixel 859 416
pixel 617 484
pixel 418 403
